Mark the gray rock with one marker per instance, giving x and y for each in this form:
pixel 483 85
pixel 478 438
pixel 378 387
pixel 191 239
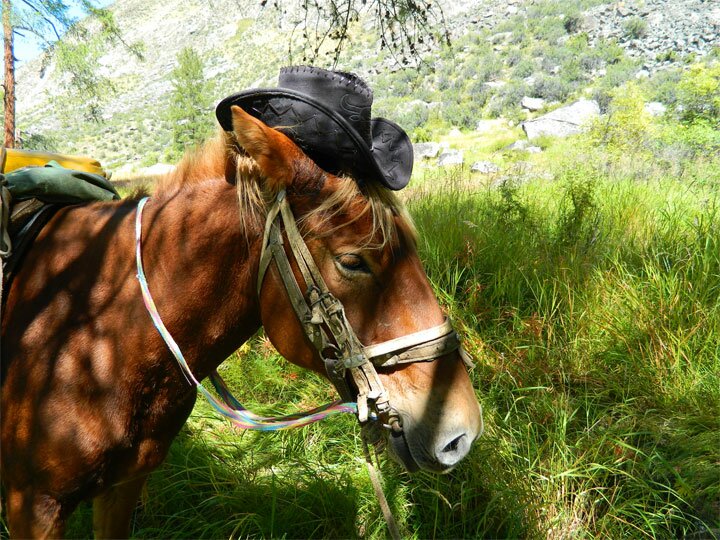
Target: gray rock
pixel 451 157
pixel 494 84
pixel 455 132
pixel 427 150
pixel 532 104
pixel 533 149
pixel 655 108
pixel 484 167
pixel 564 121
pixel 521 144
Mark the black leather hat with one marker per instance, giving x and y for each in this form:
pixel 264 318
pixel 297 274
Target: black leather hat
pixel 328 114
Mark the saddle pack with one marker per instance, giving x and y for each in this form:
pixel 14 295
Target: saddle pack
pixel 33 185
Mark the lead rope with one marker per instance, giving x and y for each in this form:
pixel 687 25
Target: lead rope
pixel 380 494
pixel 231 408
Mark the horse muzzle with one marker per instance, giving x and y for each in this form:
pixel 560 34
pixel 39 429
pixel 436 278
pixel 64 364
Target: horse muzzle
pixel 433 448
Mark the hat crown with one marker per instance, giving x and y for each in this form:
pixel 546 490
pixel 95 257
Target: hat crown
pixel 328 114
pixel 343 92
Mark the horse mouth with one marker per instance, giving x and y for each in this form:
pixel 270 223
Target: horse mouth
pixel 400 451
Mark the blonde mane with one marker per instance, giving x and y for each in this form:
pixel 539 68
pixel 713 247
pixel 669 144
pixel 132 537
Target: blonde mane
pixel 221 157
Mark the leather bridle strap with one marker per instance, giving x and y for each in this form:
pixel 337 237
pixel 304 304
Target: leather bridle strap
pixel 319 312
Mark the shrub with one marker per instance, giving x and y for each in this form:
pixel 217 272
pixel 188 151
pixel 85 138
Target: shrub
pixel 412 114
pixel 699 93
pixel 551 88
pixel 663 86
pixel 421 134
pixel 635 28
pixel 524 68
pixel 38 141
pixel 572 23
pixel 627 125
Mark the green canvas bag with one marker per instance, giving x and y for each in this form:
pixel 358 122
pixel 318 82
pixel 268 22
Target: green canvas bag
pixel 53 183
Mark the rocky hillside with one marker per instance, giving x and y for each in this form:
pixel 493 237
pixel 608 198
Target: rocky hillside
pixel 503 51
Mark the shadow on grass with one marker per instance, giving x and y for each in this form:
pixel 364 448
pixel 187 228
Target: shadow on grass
pixel 216 489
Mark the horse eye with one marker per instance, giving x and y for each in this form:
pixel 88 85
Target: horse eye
pixel 352 262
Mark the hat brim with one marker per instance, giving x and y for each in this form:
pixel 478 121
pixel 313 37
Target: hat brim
pixel 326 137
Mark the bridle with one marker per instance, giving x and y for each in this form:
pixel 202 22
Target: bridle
pixel 323 320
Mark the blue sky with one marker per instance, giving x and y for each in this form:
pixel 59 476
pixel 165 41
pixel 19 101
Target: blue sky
pixel 27 47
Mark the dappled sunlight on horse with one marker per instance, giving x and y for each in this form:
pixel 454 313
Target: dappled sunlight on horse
pixel 91 396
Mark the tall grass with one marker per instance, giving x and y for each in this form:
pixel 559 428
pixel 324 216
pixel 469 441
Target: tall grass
pixel 591 303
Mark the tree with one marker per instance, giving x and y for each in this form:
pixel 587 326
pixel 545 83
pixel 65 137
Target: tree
pixel 188 111
pixel 49 21
pixel 9 84
pixel 407 28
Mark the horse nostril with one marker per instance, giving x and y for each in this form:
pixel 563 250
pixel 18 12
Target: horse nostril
pixel 452 451
pixel 452 446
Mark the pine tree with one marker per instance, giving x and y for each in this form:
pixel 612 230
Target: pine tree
pixel 190 103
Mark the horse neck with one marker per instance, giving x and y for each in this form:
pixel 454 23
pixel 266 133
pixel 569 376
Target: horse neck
pixel 201 268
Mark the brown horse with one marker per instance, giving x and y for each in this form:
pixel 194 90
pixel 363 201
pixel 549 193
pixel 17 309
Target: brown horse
pixel 92 398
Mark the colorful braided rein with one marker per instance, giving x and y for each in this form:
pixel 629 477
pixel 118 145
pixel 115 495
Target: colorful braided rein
pixel 229 407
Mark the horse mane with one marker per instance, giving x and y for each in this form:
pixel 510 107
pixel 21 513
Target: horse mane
pixel 222 157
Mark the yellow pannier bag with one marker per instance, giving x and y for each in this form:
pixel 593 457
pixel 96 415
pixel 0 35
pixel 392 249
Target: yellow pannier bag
pixel 14 158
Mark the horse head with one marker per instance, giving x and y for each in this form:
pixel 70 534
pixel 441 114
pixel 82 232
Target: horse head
pixel 362 241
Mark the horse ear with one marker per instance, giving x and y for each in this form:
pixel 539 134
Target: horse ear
pixel 276 155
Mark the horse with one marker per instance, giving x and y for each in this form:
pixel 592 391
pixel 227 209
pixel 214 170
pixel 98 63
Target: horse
pixel 91 396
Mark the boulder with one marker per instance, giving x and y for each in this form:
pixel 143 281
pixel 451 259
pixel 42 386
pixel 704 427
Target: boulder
pixel 450 157
pixel 522 144
pixel 484 167
pixel 655 108
pixel 426 150
pixel 532 104
pixel 564 121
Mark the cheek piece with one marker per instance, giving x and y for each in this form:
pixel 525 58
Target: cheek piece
pixel 349 364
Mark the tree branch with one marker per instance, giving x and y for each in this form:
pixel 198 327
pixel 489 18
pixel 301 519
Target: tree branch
pixel 44 17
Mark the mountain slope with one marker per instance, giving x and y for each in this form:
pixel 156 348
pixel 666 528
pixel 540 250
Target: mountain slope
pixel 243 45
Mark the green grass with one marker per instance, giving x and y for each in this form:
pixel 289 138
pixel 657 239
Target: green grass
pixel 591 303
pixel 586 283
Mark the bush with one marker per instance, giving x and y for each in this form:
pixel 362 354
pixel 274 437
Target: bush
pixel 572 23
pixel 635 28
pixel 524 68
pixel 411 114
pixel 38 141
pixel 421 134
pixel 551 88
pixel 627 125
pixel 699 94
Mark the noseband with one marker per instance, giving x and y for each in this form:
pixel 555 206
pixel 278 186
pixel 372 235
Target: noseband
pixel 323 320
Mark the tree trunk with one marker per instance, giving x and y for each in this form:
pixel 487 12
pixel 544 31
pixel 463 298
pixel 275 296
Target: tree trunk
pixel 9 78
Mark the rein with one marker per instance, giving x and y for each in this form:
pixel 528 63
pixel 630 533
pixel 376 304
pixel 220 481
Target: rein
pixel 229 407
pixel 323 319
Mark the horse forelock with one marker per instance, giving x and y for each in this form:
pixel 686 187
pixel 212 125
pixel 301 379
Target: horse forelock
pixel 221 157
pixel 390 223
